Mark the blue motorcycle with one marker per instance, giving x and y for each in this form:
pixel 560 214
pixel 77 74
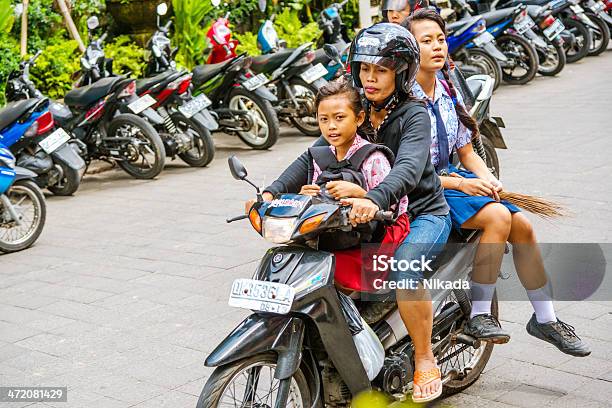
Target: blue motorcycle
pixel 22 205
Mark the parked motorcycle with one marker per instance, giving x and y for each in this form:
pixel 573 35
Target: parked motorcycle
pixel 334 33
pixel 23 210
pixel 52 155
pixel 595 11
pixel 548 42
pixel 298 345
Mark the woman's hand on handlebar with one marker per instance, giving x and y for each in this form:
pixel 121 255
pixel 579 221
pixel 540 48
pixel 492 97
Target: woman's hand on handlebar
pixel 266 196
pixel 310 190
pixel 363 210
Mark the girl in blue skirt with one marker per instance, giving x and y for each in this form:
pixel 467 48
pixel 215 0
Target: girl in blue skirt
pixel 473 198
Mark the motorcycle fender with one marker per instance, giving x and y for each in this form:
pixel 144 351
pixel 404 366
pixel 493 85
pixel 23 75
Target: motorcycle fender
pixel 265 93
pixel 491 130
pixel 152 116
pixel 320 83
pixel 491 49
pixel 259 334
pixel 68 156
pixel 24 174
pixel 206 119
pixel 605 17
pixel 587 21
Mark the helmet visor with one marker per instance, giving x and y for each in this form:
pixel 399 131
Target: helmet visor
pixel 386 62
pixel 395 5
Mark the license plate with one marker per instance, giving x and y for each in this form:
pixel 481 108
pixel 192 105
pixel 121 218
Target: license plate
pixel 195 105
pixel 54 141
pixel 314 73
pixel 577 9
pixel 262 296
pixel 554 30
pixel 253 83
pixel 142 103
pixel 484 38
pixel 524 25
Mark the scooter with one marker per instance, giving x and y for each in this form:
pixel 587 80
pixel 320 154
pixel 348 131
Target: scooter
pixel 309 344
pixel 52 155
pixel 220 43
pixel 23 210
pixel 595 11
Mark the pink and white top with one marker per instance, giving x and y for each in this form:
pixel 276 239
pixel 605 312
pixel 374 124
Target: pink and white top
pixel 375 168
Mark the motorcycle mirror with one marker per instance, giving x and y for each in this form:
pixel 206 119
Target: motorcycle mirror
pixel 263 4
pixel 332 53
pixel 162 9
pixel 236 168
pixel 92 22
pixel 215 3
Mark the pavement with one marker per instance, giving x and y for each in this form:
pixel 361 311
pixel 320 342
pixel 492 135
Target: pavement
pixel 125 293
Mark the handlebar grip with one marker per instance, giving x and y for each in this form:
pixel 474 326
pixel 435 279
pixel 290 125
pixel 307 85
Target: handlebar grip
pixel 237 218
pixel 103 37
pixel 168 24
pixel 384 215
pixel 36 56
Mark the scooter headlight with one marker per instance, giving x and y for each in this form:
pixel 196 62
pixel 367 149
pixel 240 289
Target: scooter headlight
pixel 278 230
pixel 7 158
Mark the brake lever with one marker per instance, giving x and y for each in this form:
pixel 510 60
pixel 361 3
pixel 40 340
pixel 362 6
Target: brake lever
pixel 237 218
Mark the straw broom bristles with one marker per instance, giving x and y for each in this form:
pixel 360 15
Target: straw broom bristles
pixel 535 205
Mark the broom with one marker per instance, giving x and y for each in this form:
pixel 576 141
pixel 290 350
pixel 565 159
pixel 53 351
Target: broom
pixel 535 205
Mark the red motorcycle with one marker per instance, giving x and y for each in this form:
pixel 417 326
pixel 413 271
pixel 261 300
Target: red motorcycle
pixel 223 47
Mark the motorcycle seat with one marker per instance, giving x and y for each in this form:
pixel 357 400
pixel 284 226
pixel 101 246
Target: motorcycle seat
pixel 87 95
pixel 13 111
pixel 269 62
pixel 203 73
pixel 459 27
pixel 144 84
pixel 493 17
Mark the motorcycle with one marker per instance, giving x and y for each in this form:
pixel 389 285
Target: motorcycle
pixel 547 40
pixel 595 11
pixel 54 156
pixel 23 210
pixel 186 126
pixel 308 344
pixel 335 34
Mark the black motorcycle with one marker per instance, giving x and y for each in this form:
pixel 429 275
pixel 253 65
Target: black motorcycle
pixel 53 157
pixel 306 344
pixel 600 32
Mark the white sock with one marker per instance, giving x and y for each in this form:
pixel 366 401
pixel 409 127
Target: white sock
pixel 542 305
pixel 482 295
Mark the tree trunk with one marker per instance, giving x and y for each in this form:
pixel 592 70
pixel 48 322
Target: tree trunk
pixel 74 33
pixel 24 29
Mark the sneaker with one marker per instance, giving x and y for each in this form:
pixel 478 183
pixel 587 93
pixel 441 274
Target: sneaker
pixel 486 327
pixel 559 334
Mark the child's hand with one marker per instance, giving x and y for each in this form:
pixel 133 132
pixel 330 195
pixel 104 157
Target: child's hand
pixel 476 187
pixel 344 189
pixel 310 190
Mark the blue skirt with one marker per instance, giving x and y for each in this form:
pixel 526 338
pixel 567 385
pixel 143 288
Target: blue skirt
pixel 464 206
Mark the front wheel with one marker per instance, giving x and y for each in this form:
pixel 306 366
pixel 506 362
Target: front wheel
pixel 69 184
pixel 600 36
pixel 523 58
pixel 203 148
pixel 141 148
pixel 306 120
pixel 264 132
pixel 486 64
pixel 28 203
pixel 251 383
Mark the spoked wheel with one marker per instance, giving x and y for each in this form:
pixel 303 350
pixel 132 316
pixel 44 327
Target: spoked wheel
pixel 552 59
pixel 461 364
pixel 523 57
pixel 251 383
pixel 264 132
pixel 203 149
pixel 486 64
pixel 143 155
pixel 582 40
pixel 600 37
pixel 29 204
pixel 306 121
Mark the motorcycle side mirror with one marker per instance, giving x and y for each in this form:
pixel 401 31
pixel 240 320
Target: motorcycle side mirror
pixel 215 3
pixel 93 23
pixel 162 9
pixel 238 171
pixel 263 4
pixel 331 52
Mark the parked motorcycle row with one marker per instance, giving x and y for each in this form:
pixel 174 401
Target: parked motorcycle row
pixel 512 40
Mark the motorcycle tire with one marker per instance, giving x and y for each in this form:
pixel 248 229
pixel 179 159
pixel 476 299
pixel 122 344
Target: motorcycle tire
pixel 204 146
pixel 37 198
pixel 219 381
pixel 242 99
pixel 69 184
pixel 583 34
pixel 600 39
pixel 559 55
pixel 309 129
pixel 528 57
pixel 455 385
pixel 152 142
pixel 490 65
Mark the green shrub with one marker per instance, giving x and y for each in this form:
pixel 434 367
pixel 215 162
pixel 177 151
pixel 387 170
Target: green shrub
pixel 44 25
pixel 6 16
pixel 127 56
pixel 9 60
pixel 53 69
pixel 190 35
pixel 248 43
pixel 292 30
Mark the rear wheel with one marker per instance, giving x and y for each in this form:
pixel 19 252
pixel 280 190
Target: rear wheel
pixel 523 57
pixel 69 184
pixel 144 155
pixel 28 203
pixel 552 59
pixel 486 64
pixel 203 149
pixel 582 40
pixel 600 36
pixel 251 383
pixel 305 93
pixel 264 132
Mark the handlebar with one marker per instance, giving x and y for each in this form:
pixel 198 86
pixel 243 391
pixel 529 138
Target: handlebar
pixel 237 218
pixel 102 38
pixel 167 25
pixel 379 216
pixel 227 15
pixel 343 3
pixel 35 56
